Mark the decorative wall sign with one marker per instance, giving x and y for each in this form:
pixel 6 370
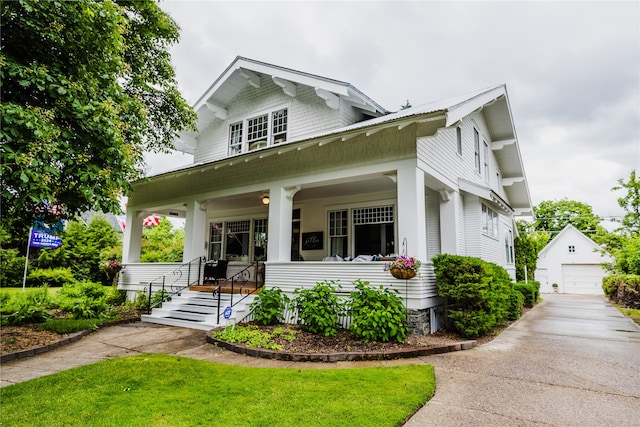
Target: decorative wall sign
pixel 312 241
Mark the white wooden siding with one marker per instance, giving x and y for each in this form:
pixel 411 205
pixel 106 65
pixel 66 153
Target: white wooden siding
pixel 307 114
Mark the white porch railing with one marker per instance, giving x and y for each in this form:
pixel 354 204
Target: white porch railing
pixel 418 293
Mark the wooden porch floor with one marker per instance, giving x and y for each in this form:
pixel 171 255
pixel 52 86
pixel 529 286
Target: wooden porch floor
pixel 238 288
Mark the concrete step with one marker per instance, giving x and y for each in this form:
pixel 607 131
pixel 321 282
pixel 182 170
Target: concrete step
pixel 191 310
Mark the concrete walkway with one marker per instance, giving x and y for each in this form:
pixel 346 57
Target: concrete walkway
pixel 573 360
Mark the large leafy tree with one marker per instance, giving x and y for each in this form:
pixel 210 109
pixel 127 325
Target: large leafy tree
pixel 630 202
pixel 528 245
pixel 87 87
pixel 553 216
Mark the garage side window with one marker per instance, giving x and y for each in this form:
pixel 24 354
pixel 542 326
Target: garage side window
pixel 572 249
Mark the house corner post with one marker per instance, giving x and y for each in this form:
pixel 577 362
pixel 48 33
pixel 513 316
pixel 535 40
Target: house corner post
pixel 132 240
pixel 195 231
pixel 279 238
pixel 411 219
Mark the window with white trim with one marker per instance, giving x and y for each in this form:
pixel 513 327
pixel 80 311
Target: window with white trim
pixel 489 221
pixel 374 231
pixel 257 128
pixel 486 160
pixel 338 233
pixel 476 148
pixel 508 246
pixel 572 249
pixel 258 132
pixel 235 138
pixel 279 126
pixel 459 140
pixel 237 240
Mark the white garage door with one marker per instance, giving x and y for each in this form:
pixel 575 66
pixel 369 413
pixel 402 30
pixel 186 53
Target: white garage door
pixel 582 279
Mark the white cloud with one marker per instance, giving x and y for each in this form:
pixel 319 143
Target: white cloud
pixel 572 69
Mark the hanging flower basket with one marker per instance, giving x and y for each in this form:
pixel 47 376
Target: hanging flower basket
pixel 404 267
pixel 402 274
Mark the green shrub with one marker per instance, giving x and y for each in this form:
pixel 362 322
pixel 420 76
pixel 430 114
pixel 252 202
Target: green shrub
pixel 516 303
pixel 477 293
pixel 67 326
pixel 27 307
pixel 318 308
pixel 84 300
pixel 11 267
pixel 52 277
pixel 530 291
pixel 269 306
pixel 377 314
pixel 623 289
pixel 115 296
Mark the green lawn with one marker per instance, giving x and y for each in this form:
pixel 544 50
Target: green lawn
pixel 630 312
pixel 153 390
pixel 11 290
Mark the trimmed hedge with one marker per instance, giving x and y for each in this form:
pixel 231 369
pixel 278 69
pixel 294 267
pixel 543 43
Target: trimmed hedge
pixel 623 289
pixel 478 293
pixel 530 291
pixel 51 277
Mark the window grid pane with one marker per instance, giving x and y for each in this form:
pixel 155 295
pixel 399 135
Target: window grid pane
pixel 235 138
pixel 238 226
pixel 280 122
pixel 377 215
pixel 257 128
pixel 337 223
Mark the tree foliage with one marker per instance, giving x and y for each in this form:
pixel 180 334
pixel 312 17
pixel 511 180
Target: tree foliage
pixel 553 216
pixel 162 243
pixel 87 87
pixel 630 203
pixel 82 246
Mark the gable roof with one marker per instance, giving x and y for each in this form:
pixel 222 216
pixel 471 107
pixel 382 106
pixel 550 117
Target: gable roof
pixel 492 101
pixel 567 232
pixel 244 71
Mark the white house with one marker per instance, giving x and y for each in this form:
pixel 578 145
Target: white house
pixel 574 262
pixel 344 179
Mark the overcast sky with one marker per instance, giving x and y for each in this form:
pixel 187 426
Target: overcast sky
pixel 572 70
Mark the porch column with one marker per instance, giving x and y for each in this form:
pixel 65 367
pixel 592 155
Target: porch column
pixel 412 223
pixel 279 234
pixel 132 241
pixel 195 231
pixel 449 215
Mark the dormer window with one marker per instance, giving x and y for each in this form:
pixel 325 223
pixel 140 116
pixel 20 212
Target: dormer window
pixel 258 133
pixel 235 138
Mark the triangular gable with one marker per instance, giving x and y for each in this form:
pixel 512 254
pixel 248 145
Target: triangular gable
pixel 566 232
pixel 244 71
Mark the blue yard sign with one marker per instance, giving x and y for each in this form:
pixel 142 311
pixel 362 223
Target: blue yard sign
pixel 227 312
pixel 41 239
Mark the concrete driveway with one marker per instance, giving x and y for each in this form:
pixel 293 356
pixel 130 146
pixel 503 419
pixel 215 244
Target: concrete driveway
pixel 572 361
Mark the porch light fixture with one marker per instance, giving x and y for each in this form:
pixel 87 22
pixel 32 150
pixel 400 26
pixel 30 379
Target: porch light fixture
pixel 265 199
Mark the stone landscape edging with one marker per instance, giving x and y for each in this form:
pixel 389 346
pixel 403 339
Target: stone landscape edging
pixel 340 357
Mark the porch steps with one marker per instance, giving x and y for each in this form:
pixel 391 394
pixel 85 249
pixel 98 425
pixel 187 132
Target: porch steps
pixel 197 310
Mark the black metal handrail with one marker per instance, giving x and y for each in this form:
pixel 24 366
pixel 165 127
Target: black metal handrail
pixel 242 278
pixel 176 275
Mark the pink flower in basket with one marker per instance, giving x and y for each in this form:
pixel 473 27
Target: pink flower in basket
pixel 404 262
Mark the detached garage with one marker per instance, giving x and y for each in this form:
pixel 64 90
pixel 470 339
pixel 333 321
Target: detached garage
pixel 574 262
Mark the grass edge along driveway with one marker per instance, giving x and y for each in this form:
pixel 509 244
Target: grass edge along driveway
pixel 147 390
